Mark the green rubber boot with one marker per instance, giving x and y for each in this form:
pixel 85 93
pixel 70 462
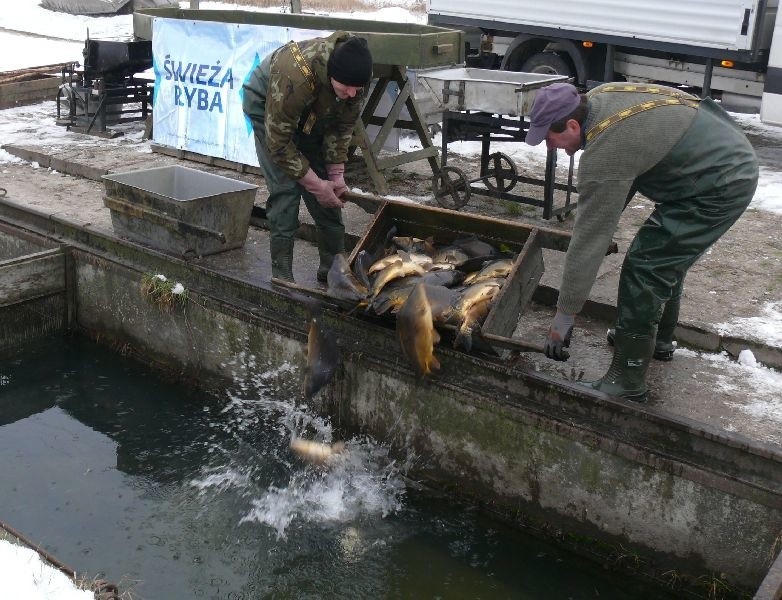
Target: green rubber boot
pixel 282 258
pixel 330 243
pixel 626 377
pixel 664 344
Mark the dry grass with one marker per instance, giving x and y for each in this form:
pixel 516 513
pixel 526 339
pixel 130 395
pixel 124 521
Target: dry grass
pixel 329 6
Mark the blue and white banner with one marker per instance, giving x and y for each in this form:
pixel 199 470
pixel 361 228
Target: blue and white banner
pixel 200 67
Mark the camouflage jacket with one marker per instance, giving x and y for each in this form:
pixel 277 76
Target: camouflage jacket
pixel 295 108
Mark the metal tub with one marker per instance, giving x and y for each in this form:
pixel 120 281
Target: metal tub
pixel 178 210
pixel 404 44
pixel 497 92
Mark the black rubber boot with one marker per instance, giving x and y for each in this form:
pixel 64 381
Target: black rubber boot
pixel 282 258
pixel 626 377
pixel 664 346
pixel 330 243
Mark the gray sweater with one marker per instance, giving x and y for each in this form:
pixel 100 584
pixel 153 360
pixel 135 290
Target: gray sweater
pixel 608 167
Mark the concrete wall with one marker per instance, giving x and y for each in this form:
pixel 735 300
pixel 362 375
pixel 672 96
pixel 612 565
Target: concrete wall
pixel 32 290
pixel 693 499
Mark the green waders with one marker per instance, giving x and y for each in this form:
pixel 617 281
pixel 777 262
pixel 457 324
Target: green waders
pixel 282 206
pixel 700 188
pixel 664 345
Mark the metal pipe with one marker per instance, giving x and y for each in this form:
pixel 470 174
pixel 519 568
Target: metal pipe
pixel 608 72
pixel 706 91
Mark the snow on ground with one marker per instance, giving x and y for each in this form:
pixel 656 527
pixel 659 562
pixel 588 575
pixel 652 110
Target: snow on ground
pixel 26 577
pixel 762 402
pixel 767 327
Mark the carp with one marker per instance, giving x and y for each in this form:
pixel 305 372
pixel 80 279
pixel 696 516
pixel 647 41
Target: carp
pixel 476 293
pixel 447 278
pixel 450 255
pixel 420 259
pixel 493 270
pixel 475 247
pixel 393 295
pixel 415 325
pixel 323 355
pixel 472 320
pixel 361 268
pixel 342 282
pixel 317 453
pixel 384 262
pixel 396 270
pixel 413 244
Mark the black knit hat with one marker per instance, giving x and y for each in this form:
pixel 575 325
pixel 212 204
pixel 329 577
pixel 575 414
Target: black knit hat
pixel 351 63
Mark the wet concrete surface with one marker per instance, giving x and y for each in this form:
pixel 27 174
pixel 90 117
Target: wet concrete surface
pixel 739 278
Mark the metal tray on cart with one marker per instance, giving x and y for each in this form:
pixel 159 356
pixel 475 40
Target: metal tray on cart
pixel 498 92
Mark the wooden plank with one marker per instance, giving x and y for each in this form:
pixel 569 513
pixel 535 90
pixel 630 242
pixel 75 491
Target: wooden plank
pixel 517 292
pixel 32 276
pixel 407 157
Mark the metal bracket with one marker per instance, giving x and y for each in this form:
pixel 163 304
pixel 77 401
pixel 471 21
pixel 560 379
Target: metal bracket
pixel 447 93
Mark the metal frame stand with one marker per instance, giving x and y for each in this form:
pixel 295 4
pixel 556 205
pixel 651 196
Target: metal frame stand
pixel 498 173
pixel 90 108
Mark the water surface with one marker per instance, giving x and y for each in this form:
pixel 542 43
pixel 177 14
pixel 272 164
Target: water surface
pixel 179 493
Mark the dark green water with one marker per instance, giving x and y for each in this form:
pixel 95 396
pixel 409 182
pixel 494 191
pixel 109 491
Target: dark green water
pixel 181 494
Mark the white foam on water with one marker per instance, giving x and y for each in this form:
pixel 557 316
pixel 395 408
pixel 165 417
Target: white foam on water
pixel 221 478
pixel 361 481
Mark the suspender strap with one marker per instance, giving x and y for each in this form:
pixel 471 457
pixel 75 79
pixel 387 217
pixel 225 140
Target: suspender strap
pixel 641 89
pixel 304 67
pixel 309 76
pixel 672 97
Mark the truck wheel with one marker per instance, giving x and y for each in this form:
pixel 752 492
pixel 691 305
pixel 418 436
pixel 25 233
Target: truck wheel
pixel 547 63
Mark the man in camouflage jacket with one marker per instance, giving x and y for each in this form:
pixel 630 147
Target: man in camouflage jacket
pixel 686 155
pixel 303 101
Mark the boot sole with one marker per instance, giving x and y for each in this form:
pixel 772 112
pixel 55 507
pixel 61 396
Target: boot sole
pixel 637 398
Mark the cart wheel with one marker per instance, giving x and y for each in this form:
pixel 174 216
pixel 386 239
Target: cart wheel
pixel 451 188
pixel 502 175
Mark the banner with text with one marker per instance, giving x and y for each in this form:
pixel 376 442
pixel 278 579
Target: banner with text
pixel 200 67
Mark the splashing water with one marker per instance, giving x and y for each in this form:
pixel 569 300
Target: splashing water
pixel 360 482
pixel 357 483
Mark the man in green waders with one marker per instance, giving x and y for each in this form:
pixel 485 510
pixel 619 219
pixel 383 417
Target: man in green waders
pixel 303 101
pixel 688 157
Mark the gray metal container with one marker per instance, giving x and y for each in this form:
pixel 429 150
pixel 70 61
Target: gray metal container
pixel 178 210
pixel 497 92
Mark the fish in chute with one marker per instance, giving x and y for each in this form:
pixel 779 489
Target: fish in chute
pixel 343 283
pixel 323 354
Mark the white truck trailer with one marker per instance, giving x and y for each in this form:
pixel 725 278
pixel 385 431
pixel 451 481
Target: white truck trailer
pixel 726 48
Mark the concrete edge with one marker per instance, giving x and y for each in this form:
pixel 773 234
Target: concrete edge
pixel 771 587
pixel 691 335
